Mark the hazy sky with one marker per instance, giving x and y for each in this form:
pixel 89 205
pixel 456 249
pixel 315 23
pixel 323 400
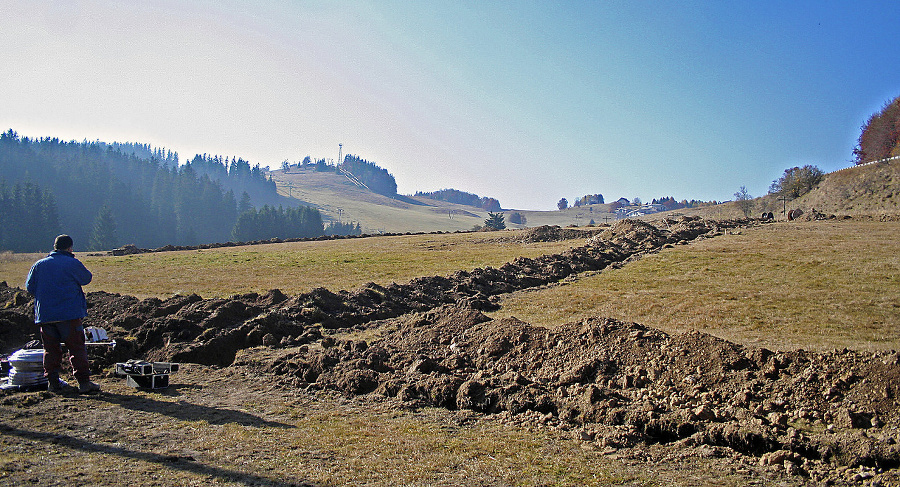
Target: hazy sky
pixel 526 102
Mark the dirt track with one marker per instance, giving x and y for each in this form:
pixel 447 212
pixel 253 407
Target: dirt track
pixel 818 417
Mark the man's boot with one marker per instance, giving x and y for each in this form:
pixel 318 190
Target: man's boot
pixel 55 384
pixel 87 386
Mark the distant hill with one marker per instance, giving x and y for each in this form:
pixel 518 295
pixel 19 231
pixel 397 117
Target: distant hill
pixel 339 199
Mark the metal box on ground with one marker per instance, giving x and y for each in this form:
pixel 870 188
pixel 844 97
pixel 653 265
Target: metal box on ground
pixel 153 381
pixel 146 375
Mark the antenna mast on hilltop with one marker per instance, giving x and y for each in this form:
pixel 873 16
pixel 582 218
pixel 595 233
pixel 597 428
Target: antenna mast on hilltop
pixel 340 154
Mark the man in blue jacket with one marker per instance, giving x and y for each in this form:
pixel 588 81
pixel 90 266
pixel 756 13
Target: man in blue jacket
pixel 59 306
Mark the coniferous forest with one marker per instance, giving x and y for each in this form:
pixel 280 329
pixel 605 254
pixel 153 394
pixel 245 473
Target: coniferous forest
pixel 376 179
pixel 107 195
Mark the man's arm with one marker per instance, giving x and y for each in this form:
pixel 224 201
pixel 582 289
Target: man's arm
pixel 31 281
pixel 82 275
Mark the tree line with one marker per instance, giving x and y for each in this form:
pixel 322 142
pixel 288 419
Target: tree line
pixel 268 222
pixel 880 136
pixel 462 198
pixel 104 197
pixel 672 204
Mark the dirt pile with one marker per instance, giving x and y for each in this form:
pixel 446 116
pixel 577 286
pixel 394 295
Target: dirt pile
pixel 555 233
pixel 210 331
pixel 16 318
pixel 623 385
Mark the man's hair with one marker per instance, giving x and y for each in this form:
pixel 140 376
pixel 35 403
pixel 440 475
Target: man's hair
pixel 63 242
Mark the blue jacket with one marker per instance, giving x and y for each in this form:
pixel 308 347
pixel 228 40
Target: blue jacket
pixel 55 282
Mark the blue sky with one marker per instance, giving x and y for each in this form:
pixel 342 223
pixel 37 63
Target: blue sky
pixel 527 102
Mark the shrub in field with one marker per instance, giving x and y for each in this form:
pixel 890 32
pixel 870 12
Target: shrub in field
pixel 797 181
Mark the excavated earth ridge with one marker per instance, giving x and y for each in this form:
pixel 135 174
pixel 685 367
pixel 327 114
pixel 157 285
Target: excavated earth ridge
pixel 618 385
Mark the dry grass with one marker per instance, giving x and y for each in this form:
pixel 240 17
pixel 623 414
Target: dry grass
pixel 813 285
pixel 296 267
pixel 221 427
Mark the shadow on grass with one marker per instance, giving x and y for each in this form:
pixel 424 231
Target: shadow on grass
pixel 176 462
pixel 186 411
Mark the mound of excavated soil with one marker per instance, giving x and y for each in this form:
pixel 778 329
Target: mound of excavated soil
pixel 626 385
pixel 555 233
pixel 620 385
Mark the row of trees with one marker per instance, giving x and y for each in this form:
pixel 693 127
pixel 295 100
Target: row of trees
pixel 589 199
pixel 880 136
pixel 342 228
pixel 669 202
pixel 237 175
pixel 672 204
pixel 269 222
pixel 104 197
pixel 462 198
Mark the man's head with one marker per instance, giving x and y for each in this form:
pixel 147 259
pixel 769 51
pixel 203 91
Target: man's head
pixel 63 242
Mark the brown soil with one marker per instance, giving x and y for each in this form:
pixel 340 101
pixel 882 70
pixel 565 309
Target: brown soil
pixel 620 387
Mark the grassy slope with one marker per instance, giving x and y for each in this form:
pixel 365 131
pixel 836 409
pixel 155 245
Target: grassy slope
pixel 331 193
pixel 813 285
pixel 340 200
pixel 870 190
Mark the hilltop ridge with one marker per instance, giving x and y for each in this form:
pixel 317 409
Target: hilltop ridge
pixel 339 199
pixel 869 190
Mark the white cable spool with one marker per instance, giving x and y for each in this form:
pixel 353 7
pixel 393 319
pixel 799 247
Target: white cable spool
pixel 28 360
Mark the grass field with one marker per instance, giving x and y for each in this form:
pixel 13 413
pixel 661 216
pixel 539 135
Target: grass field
pixel 813 285
pixel 294 267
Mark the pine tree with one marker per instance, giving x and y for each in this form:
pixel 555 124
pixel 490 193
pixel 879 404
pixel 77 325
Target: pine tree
pixel 103 236
pixel 495 221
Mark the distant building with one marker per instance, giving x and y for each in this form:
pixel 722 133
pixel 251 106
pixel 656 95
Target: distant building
pixel 636 211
